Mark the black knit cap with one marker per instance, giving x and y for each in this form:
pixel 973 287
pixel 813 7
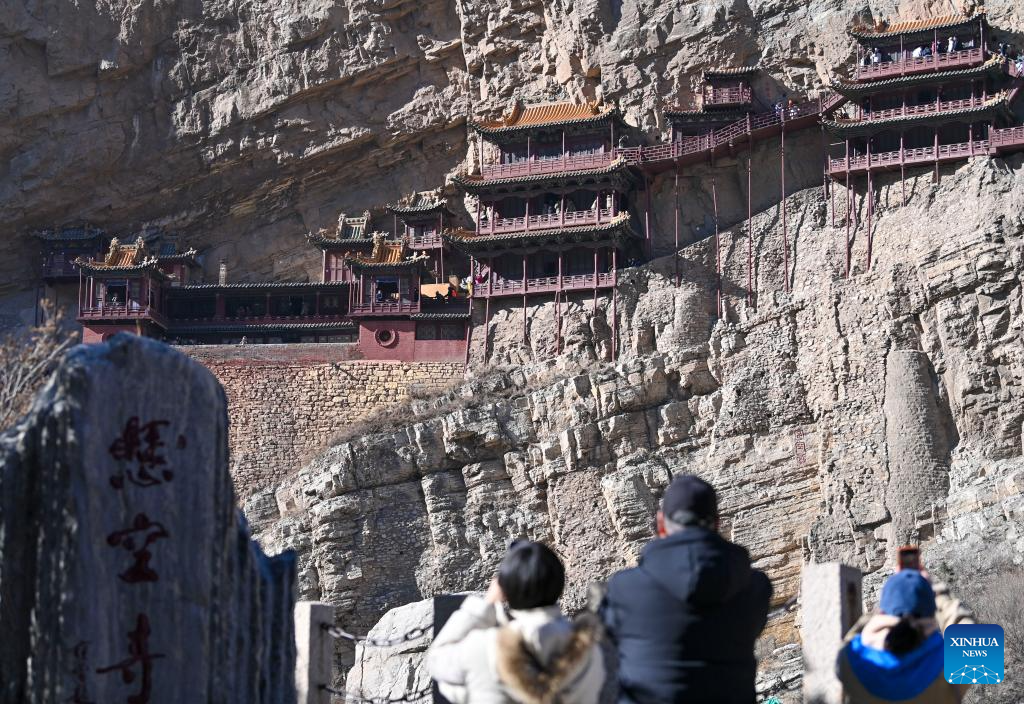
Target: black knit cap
pixel 689 501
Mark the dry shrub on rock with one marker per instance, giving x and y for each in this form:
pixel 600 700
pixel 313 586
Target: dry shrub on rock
pixel 26 360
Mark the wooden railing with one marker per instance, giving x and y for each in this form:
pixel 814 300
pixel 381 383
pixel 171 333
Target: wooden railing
pixel 385 308
pixel 727 134
pixel 121 311
pixel 1006 137
pixel 425 241
pixel 59 270
pixel 923 109
pixel 736 95
pixel 546 221
pixel 544 284
pixel 909 65
pixel 553 165
pixel 909 157
pixel 214 320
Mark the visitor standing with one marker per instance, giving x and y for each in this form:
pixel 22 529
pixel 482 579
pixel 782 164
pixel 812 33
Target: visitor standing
pixel 685 618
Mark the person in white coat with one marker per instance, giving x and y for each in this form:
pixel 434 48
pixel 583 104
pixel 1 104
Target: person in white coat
pixel 528 654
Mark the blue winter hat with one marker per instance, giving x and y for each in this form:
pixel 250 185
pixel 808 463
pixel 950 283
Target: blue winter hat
pixel 908 593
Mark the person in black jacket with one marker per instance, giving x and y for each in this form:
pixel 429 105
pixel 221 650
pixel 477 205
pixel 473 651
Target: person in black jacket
pixel 686 618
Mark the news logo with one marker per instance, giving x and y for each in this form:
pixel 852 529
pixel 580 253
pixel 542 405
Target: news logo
pixel 973 654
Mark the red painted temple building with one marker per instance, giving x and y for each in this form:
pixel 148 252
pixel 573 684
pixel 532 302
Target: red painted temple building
pixel 923 93
pixel 555 205
pixel 58 250
pixel 552 205
pixel 726 96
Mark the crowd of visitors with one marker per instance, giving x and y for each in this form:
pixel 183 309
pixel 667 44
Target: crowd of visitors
pixel 683 624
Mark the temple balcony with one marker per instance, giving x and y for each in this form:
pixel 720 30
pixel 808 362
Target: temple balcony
pixel 60 270
pixel 375 308
pixel 926 64
pixel 549 221
pixel 923 109
pixel 892 160
pixel 496 286
pixel 113 312
pixel 716 96
pixel 548 165
pixel 221 320
pixel 1006 139
pixel 428 241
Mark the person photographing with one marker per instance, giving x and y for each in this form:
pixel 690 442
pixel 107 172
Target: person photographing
pixel 895 654
pixel 514 644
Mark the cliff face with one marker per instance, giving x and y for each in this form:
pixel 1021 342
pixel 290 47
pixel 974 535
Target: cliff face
pixel 834 419
pixel 242 125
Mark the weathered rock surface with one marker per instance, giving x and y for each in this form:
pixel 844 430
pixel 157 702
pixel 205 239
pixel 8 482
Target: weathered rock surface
pixel 837 420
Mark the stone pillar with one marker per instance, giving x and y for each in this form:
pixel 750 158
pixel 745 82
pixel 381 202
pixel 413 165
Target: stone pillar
pixel 314 652
pixel 126 571
pixel 917 442
pixel 830 603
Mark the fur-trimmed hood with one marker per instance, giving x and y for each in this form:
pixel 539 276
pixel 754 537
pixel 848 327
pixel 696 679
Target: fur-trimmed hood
pixel 543 658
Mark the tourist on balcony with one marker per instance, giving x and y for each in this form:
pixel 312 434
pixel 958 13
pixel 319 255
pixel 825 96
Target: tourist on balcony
pixel 514 644
pixel 917 53
pixel 686 618
pixel 954 45
pixel 896 654
pixel 876 56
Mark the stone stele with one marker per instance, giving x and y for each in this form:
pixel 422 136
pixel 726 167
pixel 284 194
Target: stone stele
pixel 126 573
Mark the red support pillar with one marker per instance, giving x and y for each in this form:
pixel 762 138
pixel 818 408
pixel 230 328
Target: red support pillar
pixel 675 226
pixel 849 217
pixel 750 236
pixel 595 281
pixel 718 250
pixel 871 205
pixel 903 170
pixel 525 344
pixel 782 203
pixel 615 310
pixel 647 215
pixel 478 204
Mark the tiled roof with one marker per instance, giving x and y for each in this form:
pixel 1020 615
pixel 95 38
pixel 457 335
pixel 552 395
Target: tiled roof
pixel 860 127
pixel 546 114
pixel 618 225
pixel 419 203
pixel 68 234
pixel 348 229
pixel 732 72
pixel 440 316
pixel 258 327
pixel 475 182
pixel 707 115
pixel 121 258
pixel 385 254
pixel 259 285
pixel 856 90
pixel 885 29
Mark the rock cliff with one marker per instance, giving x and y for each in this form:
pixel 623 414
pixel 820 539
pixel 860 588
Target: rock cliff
pixel 838 420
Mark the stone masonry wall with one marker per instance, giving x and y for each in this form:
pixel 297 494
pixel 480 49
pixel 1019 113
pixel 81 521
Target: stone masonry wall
pixel 287 402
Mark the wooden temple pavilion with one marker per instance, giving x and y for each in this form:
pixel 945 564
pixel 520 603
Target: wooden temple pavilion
pixel 726 96
pixel 126 290
pixel 552 204
pixel 59 247
pixel 419 221
pixel 924 92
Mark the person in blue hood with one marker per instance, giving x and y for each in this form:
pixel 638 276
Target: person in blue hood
pixel 685 619
pixel 895 654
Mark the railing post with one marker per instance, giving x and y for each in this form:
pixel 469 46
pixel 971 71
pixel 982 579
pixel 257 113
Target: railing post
pixel 830 601
pixel 314 652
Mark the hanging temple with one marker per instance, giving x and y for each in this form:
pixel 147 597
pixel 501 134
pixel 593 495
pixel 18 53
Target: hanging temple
pixel 558 211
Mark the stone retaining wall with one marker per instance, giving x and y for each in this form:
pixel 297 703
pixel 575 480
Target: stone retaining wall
pixel 287 401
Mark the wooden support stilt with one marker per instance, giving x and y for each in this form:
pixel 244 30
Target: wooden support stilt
pixel 615 310
pixel 782 204
pixel 647 217
pixel 558 323
pixel 903 171
pixel 487 323
pixel 525 344
pixel 849 218
pixel 718 250
pixel 469 323
pixel 871 205
pixel 675 199
pixel 750 236
pixel 595 281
